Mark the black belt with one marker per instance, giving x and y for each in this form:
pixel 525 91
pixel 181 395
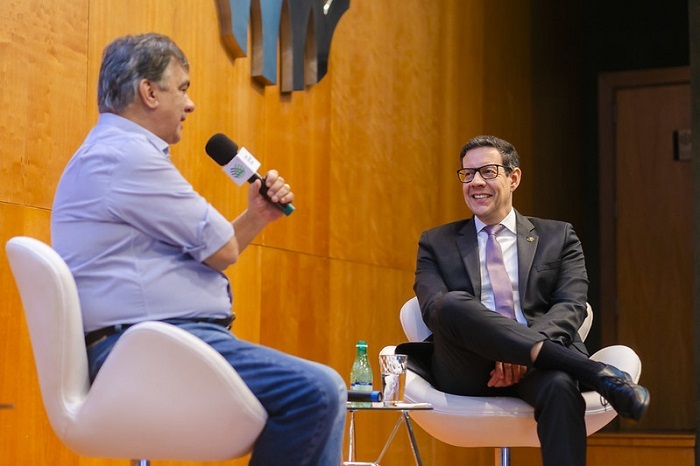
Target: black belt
pixel 97 335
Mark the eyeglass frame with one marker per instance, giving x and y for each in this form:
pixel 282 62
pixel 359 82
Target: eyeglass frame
pixel 478 170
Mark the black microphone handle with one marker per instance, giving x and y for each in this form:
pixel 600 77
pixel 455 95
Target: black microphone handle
pixel 286 208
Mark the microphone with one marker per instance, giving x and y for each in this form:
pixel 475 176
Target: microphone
pixel 239 165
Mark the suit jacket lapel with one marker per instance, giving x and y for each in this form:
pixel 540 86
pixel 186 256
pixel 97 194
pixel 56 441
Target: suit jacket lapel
pixel 469 250
pixel 527 246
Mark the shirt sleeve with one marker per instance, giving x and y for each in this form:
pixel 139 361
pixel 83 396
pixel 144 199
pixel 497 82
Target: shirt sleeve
pixel 149 193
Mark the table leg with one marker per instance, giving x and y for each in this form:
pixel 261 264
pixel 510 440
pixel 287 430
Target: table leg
pixel 351 440
pixel 388 441
pixel 412 437
pixel 405 418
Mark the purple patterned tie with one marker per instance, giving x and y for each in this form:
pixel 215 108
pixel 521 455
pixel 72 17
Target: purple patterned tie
pixel 500 282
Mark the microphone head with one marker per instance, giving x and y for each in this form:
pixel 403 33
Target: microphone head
pixel 221 149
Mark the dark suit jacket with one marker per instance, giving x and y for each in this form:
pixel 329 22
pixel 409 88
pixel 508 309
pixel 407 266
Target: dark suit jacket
pixel 553 282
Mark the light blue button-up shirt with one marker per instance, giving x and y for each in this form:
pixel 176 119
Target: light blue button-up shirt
pixel 134 232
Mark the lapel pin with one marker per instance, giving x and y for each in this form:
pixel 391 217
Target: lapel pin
pixel 530 239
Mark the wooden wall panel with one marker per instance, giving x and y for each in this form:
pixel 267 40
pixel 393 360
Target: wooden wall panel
pixel 370 152
pixel 246 278
pixel 365 304
pixel 295 304
pixel 24 428
pixel 386 130
pixel 641 449
pixel 297 143
pixel 42 66
pixel 609 449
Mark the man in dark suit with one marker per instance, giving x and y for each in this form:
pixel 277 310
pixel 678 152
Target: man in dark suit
pixel 516 333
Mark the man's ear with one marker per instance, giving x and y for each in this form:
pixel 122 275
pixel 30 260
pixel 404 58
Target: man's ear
pixel 147 93
pixel 515 178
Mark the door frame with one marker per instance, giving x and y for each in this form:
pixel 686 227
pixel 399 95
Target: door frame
pixel 609 84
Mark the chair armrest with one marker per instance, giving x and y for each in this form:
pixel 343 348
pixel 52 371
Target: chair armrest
pixel 412 321
pixel 622 357
pixel 585 328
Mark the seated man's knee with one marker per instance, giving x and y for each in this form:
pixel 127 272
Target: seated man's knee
pixel 331 393
pixel 452 307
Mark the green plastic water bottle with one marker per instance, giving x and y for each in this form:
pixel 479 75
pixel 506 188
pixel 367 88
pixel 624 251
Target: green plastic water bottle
pixel 361 373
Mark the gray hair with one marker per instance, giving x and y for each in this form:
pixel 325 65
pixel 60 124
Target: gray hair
pixel 128 60
pixel 506 149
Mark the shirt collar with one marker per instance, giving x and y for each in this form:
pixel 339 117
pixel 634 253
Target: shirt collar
pixel 125 124
pixel 508 222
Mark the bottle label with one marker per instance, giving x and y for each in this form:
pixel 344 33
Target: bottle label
pixel 361 386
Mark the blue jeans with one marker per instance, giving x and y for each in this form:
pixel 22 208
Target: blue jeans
pixel 304 400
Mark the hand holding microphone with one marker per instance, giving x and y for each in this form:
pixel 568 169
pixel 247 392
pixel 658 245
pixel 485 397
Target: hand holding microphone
pixel 240 165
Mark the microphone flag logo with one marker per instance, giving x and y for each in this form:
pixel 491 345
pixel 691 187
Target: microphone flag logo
pixel 237 171
pixel 241 167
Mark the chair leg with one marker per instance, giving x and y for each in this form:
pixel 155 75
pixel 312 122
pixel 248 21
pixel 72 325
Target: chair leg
pixel 140 463
pixel 502 456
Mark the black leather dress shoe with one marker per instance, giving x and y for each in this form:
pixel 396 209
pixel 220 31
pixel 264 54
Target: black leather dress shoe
pixel 626 397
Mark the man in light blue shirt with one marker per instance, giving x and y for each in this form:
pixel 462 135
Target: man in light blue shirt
pixel 143 245
pixel 135 233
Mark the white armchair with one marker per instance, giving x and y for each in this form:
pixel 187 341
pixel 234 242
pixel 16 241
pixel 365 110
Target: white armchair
pixel 500 422
pixel 161 394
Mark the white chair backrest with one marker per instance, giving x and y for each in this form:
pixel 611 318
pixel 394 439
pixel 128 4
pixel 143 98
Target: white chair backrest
pixel 416 330
pixel 52 311
pixel 412 321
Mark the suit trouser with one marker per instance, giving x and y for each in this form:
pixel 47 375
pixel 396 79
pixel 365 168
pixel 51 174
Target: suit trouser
pixel 468 338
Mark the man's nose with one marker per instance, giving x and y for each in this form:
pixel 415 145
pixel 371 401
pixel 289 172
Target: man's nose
pixel 478 179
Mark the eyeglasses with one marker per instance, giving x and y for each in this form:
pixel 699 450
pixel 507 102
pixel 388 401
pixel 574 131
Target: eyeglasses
pixel 487 172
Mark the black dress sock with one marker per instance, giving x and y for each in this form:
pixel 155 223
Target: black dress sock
pixel 553 356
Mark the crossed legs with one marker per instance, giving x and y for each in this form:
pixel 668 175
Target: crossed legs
pixel 468 339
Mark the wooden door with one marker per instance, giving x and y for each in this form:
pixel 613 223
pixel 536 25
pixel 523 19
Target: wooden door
pixel 646 219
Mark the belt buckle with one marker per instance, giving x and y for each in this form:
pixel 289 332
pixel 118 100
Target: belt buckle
pixel 103 337
pixel 228 322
